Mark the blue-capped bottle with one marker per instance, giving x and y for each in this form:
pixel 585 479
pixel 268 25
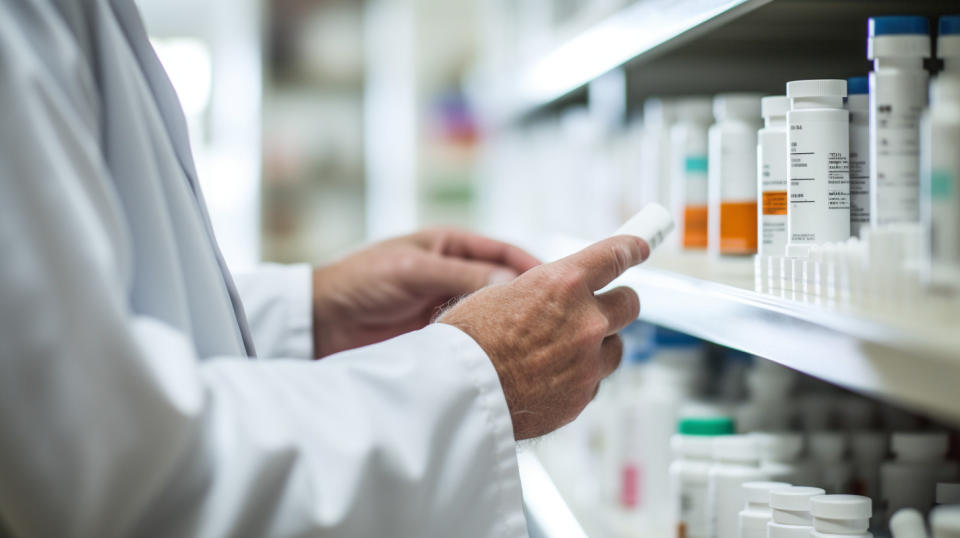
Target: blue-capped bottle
pixel 858 104
pixel 897 45
pixel 948 43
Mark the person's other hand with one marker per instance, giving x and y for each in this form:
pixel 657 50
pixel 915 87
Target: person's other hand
pixel 399 285
pixel 549 336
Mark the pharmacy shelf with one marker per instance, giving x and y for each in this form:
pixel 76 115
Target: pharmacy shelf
pixel 684 47
pixel 908 353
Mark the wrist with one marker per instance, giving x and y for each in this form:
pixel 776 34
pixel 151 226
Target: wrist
pixel 325 312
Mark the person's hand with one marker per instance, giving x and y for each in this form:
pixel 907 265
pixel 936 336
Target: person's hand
pixel 550 338
pixel 399 285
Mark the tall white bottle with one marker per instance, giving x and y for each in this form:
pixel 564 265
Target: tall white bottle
pixel 940 177
pixel 897 44
pixel 688 147
pixel 858 104
pixel 772 176
pixel 818 140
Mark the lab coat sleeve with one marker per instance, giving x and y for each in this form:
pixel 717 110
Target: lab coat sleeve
pixel 277 301
pixel 111 426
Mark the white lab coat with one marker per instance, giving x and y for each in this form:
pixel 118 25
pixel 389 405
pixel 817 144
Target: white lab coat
pixel 128 404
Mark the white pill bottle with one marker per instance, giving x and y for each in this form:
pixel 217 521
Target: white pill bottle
pixel 818 140
pixel 897 45
pixel 940 177
pixel 858 104
pixel 772 176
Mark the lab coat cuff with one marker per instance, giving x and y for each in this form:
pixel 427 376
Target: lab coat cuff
pixel 278 303
pixel 493 404
pixel 299 299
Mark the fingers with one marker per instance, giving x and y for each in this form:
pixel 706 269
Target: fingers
pixel 463 244
pixel 611 350
pixel 604 261
pixel 453 277
pixel 620 306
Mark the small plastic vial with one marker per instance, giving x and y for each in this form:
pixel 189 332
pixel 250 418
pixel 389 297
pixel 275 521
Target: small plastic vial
pixel 858 104
pixel 690 473
pixel 897 45
pixel 940 176
pixel 772 175
pixel 837 516
pixel 910 479
pixel 735 461
pixel 756 512
pixel 945 522
pixel 818 140
pixel 907 523
pixel 732 174
pixel 948 43
pixel 790 508
pixel 688 147
pixel 828 451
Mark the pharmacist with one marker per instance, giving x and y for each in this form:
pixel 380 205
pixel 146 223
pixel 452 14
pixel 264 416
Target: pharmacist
pixel 130 402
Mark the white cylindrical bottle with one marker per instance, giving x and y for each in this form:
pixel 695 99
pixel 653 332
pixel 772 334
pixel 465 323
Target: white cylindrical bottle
pixel 819 178
pixel 828 451
pixel 911 478
pixel 948 43
pixel 735 461
pixel 858 104
pixel 756 512
pixel 790 509
pixel 658 117
pixel 898 93
pixel 772 176
pixel 907 523
pixel 688 147
pixel 732 174
pixel 869 449
pixel 940 176
pixel 945 521
pixel 836 516
pixel 781 457
pixel 690 473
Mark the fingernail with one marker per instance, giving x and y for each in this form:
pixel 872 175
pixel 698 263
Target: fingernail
pixel 500 276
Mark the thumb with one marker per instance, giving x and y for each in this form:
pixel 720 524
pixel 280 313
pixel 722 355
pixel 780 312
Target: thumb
pixel 448 276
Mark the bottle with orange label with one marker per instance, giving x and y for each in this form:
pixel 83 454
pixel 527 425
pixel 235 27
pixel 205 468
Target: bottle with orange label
pixel 732 174
pixel 772 176
pixel 688 167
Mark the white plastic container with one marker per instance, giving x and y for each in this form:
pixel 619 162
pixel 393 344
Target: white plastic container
pixel 948 43
pixel 869 449
pixel 688 167
pixel 940 176
pixel 658 117
pixel 735 461
pixel 834 471
pixel 772 176
pixel 790 509
pixel 732 177
pixel 781 458
pixel 858 104
pixel 690 473
pixel 819 177
pixel 907 523
pixel 911 478
pixel 756 512
pixel 897 45
pixel 945 521
pixel 768 408
pixel 841 515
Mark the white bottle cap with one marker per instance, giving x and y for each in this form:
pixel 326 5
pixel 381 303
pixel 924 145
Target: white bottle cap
pixel 779 530
pixel 737 105
pixel 907 523
pixel 759 492
pixel 827 446
pixel 774 106
pixel 945 521
pixel 919 446
pixel 869 446
pixel 948 493
pixel 698 109
pixel 799 89
pixel 841 514
pixel 779 446
pixel 795 499
pixel 652 224
pixel 736 448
